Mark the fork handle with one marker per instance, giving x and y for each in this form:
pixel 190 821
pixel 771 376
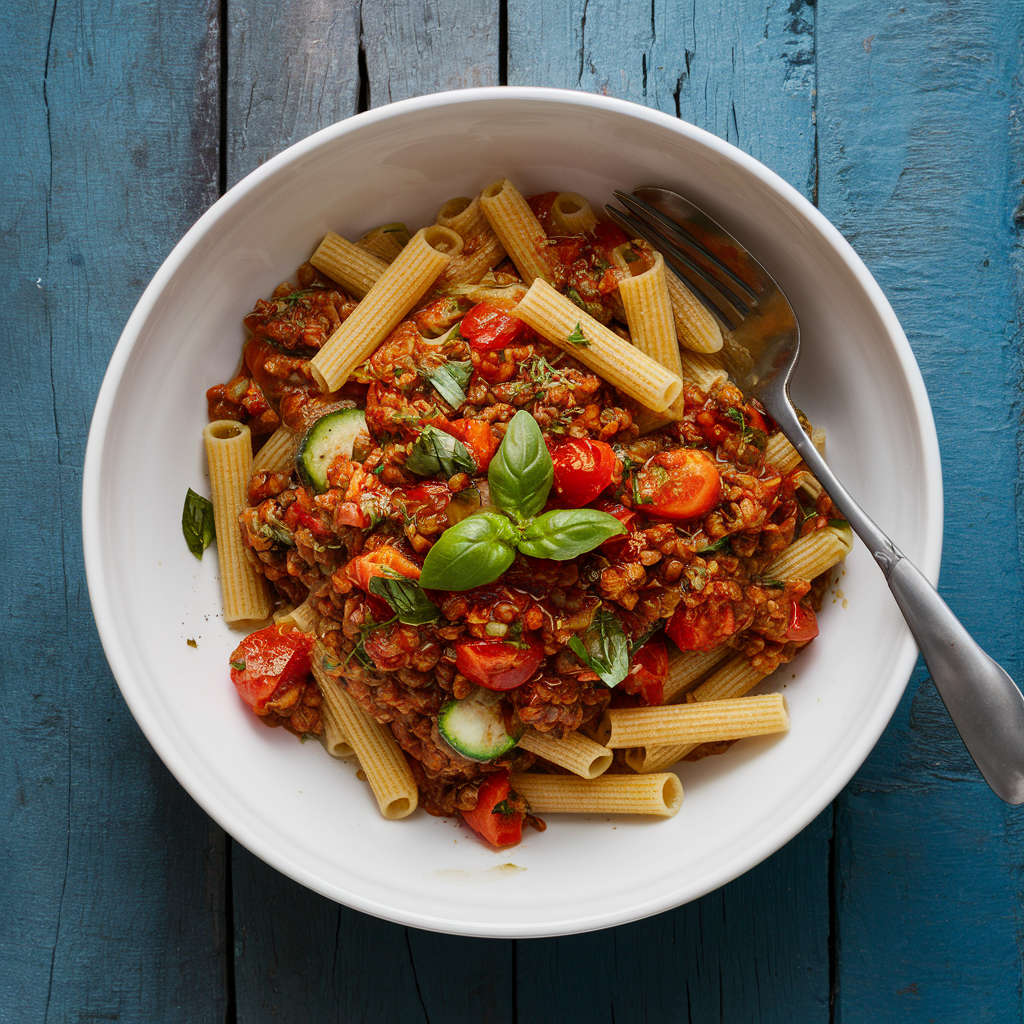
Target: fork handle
pixel 982 700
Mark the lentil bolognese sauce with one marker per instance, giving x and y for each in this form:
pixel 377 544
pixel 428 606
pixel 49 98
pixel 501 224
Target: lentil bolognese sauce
pixel 478 522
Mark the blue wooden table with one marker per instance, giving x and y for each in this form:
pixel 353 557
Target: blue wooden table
pixel 119 899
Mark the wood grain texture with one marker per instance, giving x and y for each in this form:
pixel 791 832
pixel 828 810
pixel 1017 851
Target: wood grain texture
pixel 921 168
pixel 293 68
pixel 111 901
pixel 744 71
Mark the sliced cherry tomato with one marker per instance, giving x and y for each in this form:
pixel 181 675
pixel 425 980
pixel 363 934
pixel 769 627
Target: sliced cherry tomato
pixel 478 438
pixel 754 418
pixel 541 205
pixel 607 236
pixel 803 623
pixel 498 815
pixel 488 326
pixel 647 672
pixel 678 484
pixel 497 665
pixel 613 546
pixel 583 469
pixel 266 659
pixel 375 563
pixel 702 628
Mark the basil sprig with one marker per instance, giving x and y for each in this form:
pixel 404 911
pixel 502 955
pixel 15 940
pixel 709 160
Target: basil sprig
pixel 197 523
pixel 604 648
pixel 406 598
pixel 477 550
pixel 438 452
pixel 450 379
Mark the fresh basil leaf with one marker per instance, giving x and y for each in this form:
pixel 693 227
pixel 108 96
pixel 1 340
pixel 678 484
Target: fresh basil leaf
pixel 471 553
pixel 197 523
pixel 568 532
pixel 450 379
pixel 604 648
pixel 578 337
pixel 521 473
pixel 438 452
pixel 406 598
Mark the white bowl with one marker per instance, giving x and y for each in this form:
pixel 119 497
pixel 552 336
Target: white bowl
pixel 308 815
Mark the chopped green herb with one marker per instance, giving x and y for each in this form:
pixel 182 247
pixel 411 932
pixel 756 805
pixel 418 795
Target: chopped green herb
pixel 238 666
pixel 712 548
pixel 774 583
pixel 578 337
pixel 197 523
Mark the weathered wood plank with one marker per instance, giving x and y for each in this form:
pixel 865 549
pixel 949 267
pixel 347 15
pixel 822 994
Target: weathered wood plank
pixel 920 144
pixel 757 949
pixel 110 906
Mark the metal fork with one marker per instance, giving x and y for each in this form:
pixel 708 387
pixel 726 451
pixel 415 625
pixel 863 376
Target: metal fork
pixel 981 698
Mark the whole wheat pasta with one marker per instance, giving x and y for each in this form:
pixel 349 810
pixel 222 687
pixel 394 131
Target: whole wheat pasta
pixel 518 229
pixel 395 292
pixel 807 482
pixel 352 266
pixel 334 739
pixel 810 556
pixel 229 455
pixel 481 249
pixel 705 371
pixel 781 453
pixel 649 317
pixel 705 722
pixel 734 679
pixel 660 795
pixel 576 752
pixel 571 214
pixel 687 668
pixel 278 451
pixel 385 242
pixel 566 325
pixel 696 328
pixel 380 757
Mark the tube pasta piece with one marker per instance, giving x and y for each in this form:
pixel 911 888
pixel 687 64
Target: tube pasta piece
pixel 618 362
pixel 355 269
pixel 379 755
pixel 687 668
pixel 229 454
pixel 395 292
pixel 385 242
pixel 818 440
pixel 707 722
pixel 660 795
pixel 649 317
pixel 705 371
pixel 577 753
pixel 481 249
pixel 810 556
pixel 781 453
pixel 696 328
pixel 278 451
pixel 571 214
pixel 518 230
pixel 807 482
pixel 334 739
pixel 734 679
pixel 303 617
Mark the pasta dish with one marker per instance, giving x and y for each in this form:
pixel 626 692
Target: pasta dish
pixel 497 523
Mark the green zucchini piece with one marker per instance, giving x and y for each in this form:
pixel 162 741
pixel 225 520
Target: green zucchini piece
pixel 474 729
pixel 332 435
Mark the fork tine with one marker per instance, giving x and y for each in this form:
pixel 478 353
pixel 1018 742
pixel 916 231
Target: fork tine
pixel 674 255
pixel 671 228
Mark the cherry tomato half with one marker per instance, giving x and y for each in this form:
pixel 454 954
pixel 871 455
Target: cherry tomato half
pixel 803 623
pixel 647 672
pixel 702 628
pixel 498 815
pixel 488 326
pixel 678 484
pixel 613 547
pixel 478 438
pixel 497 665
pixel 583 469
pixel 267 658
pixel 377 563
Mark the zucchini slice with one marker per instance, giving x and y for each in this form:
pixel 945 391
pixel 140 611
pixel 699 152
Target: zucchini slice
pixel 332 435
pixel 474 729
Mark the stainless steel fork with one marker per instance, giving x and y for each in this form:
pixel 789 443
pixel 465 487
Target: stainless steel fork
pixel 982 700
